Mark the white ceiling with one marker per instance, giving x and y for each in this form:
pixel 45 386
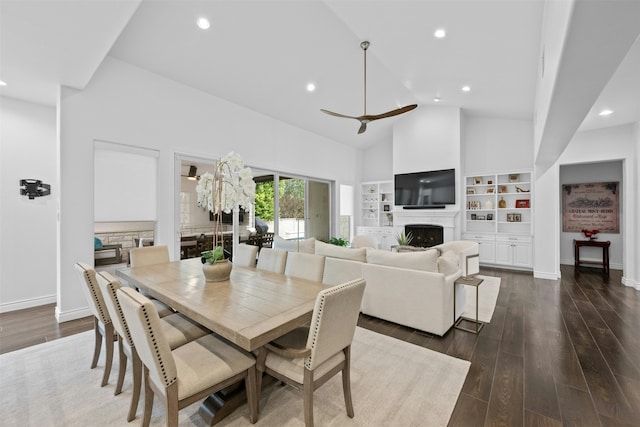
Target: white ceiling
pixel 262 54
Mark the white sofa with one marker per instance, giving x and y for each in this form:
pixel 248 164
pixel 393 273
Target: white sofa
pixel 414 289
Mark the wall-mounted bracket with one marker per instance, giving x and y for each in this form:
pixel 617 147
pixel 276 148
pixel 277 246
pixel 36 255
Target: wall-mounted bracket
pixel 34 188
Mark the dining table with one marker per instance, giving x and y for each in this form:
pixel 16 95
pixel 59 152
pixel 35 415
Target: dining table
pixel 250 309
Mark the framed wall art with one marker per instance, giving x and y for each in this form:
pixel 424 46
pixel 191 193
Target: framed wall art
pixel 591 206
pixel 522 203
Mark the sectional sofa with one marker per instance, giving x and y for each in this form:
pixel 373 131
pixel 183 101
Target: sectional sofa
pixel 413 289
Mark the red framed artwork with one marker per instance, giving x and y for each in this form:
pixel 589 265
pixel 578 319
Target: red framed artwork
pixel 522 203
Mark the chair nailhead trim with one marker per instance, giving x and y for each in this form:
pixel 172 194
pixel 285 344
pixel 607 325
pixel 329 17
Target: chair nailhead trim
pixel 167 381
pixel 92 287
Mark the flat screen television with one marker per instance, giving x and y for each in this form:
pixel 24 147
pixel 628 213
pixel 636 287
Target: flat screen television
pixel 429 189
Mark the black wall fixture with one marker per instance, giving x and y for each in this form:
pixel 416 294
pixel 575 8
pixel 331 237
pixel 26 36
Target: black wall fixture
pixel 34 188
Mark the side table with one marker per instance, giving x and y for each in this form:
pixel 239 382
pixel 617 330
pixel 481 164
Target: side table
pixel 475 282
pixel 577 244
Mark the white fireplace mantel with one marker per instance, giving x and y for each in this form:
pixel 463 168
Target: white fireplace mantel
pixel 446 218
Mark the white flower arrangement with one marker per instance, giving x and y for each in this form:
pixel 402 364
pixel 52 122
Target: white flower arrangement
pixel 230 185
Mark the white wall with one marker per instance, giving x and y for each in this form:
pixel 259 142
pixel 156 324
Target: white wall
pixel 27 227
pixel 377 163
pixel 127 105
pixel 584 173
pixel 491 145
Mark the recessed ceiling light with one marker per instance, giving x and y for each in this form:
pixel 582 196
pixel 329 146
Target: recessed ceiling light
pixel 466 88
pixel 311 87
pixel 606 112
pixel 436 99
pixel 2 83
pixel 204 23
pixel 440 33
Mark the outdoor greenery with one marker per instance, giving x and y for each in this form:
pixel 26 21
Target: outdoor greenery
pixel 338 241
pixel 290 193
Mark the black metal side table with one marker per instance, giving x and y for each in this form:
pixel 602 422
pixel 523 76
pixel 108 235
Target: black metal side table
pixel 472 281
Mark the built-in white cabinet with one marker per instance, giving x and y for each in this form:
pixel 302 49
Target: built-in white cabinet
pixel 498 215
pixel 384 235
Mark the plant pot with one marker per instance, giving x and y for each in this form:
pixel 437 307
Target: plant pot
pixel 218 271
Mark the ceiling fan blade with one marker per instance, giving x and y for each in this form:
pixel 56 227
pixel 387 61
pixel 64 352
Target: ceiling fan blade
pixel 338 114
pixel 363 127
pixel 391 113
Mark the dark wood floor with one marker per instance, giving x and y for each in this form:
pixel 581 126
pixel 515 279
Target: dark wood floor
pixel 555 353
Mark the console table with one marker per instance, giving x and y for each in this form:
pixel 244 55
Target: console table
pixel 471 281
pixel 577 244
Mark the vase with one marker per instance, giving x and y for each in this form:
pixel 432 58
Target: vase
pixel 502 203
pixel 219 271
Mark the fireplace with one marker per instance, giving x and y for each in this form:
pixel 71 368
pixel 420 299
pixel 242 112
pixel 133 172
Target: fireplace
pixel 425 235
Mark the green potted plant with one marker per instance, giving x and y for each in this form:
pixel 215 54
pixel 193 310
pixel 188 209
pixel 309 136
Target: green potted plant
pixel 229 186
pixel 404 239
pixel 338 241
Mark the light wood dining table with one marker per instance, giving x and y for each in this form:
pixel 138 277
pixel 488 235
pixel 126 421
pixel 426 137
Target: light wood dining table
pixel 250 309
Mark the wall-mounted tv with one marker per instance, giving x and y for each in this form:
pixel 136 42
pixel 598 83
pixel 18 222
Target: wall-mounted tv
pixel 429 189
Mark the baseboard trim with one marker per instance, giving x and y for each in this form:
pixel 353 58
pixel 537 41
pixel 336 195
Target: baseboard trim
pixel 631 283
pixel 546 275
pixel 72 314
pixel 27 303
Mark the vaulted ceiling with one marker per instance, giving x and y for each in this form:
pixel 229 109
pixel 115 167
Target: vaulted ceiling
pixel 262 55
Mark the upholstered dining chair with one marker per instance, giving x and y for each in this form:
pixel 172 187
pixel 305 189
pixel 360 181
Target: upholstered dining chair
pixel 305 266
pixel 365 241
pixel 102 324
pixel 149 255
pixel 189 373
pixel 177 329
pixel 245 255
pixel 309 356
pixel 273 260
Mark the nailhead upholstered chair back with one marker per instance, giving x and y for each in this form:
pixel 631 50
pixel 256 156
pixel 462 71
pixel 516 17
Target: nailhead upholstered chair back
pixel 305 266
pixel 273 260
pixel 149 255
pixel 245 255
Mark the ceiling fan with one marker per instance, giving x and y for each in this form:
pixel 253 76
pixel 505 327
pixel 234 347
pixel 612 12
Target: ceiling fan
pixel 366 118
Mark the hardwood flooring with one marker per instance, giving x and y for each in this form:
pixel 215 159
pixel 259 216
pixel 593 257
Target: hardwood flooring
pixel 555 353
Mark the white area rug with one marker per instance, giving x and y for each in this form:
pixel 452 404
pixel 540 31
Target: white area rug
pixel 487 297
pixel 394 383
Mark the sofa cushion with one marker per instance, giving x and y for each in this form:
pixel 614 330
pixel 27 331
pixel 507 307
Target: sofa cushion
pixel 423 260
pixel 448 263
pixel 333 251
pixel 306 245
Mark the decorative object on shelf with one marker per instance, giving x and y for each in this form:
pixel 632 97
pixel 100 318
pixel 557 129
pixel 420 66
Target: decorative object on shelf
pixel 488 204
pixel 386 208
pixel 366 118
pixel 502 203
pixel 510 217
pixel 503 189
pixel 474 217
pixel 230 185
pixel 474 204
pixel 338 241
pixel 214 266
pixel 517 217
pixel 522 203
pixel 521 190
pixel 489 217
pixel 490 182
pixel 390 219
pixel 471 191
pixel 490 190
pixel 481 217
pixel 404 239
pixel 372 189
pixel 591 234
pixel 477 180
pixel 514 177
pixel 33 188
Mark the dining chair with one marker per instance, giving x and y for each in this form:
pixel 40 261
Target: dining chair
pixel 189 373
pixel 149 255
pixel 102 324
pixel 178 330
pixel 273 260
pixel 365 241
pixel 305 266
pixel 245 255
pixel 309 356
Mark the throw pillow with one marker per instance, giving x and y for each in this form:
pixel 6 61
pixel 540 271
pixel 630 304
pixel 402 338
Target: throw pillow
pixel 333 251
pixel 306 245
pixel 423 260
pixel 97 243
pixel 448 263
